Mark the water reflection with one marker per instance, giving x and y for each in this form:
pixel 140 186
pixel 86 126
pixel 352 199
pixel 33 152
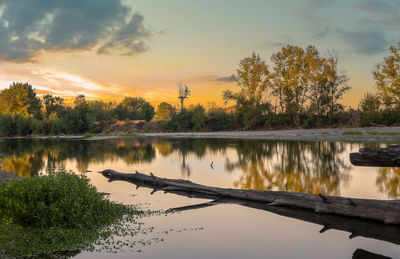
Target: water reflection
pixel 388 181
pixel 310 167
pixel 27 157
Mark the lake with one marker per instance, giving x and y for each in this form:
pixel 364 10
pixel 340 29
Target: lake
pixel 225 229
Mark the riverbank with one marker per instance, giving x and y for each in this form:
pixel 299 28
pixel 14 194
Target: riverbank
pixel 376 134
pixel 370 134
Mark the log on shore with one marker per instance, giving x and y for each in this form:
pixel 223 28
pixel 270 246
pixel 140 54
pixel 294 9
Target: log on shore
pixel 383 157
pixel 386 211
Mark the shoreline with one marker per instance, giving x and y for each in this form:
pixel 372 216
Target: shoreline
pixel 370 134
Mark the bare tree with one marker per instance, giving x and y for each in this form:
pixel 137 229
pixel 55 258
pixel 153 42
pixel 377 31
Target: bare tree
pixel 183 93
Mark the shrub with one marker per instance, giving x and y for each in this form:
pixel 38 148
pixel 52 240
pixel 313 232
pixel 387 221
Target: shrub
pixel 57 212
pixel 181 121
pixel 217 121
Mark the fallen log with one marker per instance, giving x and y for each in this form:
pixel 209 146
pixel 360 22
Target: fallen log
pixel 356 227
pixel 382 157
pixel 386 211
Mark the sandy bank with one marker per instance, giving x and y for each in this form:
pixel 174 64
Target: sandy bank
pixel 381 134
pixel 372 134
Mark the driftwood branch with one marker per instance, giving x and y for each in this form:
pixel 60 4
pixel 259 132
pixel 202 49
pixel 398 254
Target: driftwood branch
pixel 384 157
pixel 386 211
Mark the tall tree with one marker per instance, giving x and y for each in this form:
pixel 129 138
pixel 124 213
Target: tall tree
pixel 252 100
pixel 183 93
pixel 20 98
pixel 387 77
pixel 252 77
pixel 290 80
pixel 335 84
pixel 317 93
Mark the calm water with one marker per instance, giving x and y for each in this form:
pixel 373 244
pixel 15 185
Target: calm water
pixel 226 230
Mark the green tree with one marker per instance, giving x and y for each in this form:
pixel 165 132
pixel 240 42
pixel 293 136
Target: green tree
pixel 81 103
pixel 165 111
pixel 20 98
pixel 387 77
pixel 53 105
pixel 370 103
pixel 134 108
pixel 102 111
pixel 198 117
pixel 370 107
pixel 147 111
pixel 183 93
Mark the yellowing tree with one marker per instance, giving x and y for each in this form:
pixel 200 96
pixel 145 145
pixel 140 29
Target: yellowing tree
pixel 387 77
pixel 290 80
pixel 253 79
pixel 20 98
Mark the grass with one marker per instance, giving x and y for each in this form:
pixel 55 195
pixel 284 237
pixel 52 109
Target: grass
pixel 353 132
pixel 60 213
pixel 130 134
pixel 88 136
pixel 373 132
pixel 390 133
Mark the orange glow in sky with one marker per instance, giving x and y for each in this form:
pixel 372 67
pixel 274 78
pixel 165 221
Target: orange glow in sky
pixel 144 48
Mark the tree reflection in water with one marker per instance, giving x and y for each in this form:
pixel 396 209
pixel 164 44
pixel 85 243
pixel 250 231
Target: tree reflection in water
pixel 388 181
pixel 27 157
pixel 309 167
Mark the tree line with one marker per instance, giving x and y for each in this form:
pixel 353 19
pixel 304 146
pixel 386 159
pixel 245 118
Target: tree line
pixel 299 88
pixel 22 112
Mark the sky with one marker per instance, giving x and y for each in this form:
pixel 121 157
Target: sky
pixel 109 49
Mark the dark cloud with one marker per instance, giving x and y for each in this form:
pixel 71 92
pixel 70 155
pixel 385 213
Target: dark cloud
pixel 368 34
pixel 383 12
pixel 30 27
pixel 367 41
pixel 225 79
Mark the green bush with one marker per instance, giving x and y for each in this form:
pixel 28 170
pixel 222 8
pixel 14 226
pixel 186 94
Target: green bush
pixel 61 211
pixel 217 121
pixel 181 121
pixel 16 124
pixel 59 199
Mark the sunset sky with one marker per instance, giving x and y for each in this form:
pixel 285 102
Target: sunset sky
pixel 110 49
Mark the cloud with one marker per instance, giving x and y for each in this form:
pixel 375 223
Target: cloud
pixel 369 28
pixel 311 11
pixel 383 12
pixel 366 41
pixel 224 79
pixel 28 28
